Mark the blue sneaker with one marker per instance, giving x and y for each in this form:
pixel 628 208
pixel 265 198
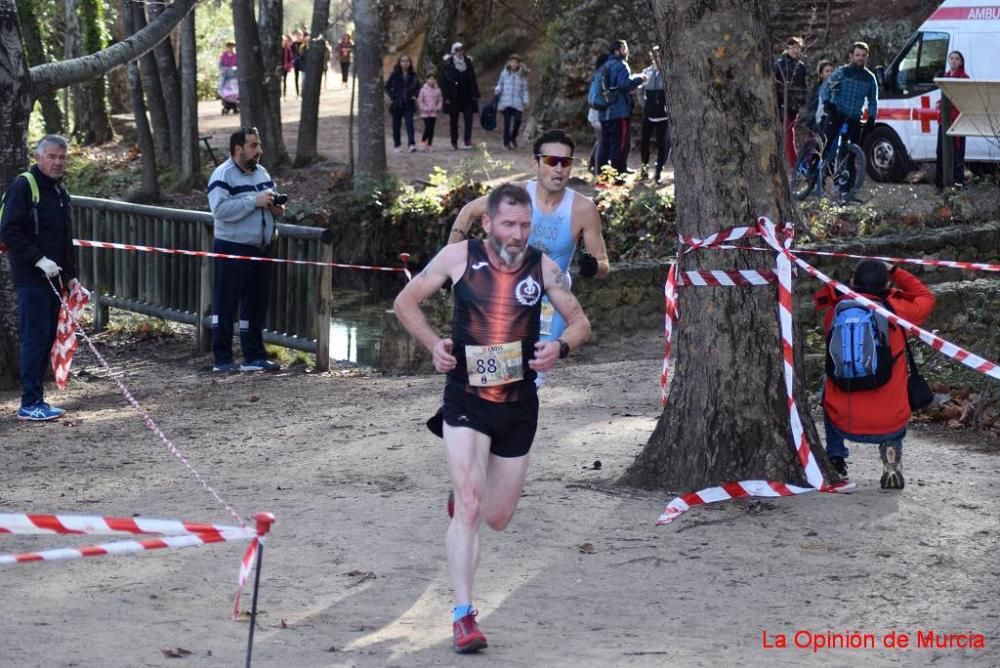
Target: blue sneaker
pixel 40 412
pixel 260 365
pixel 227 367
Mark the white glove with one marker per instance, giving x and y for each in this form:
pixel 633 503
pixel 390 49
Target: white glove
pixel 48 267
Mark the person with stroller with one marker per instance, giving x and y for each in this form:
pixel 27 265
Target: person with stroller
pixel 229 86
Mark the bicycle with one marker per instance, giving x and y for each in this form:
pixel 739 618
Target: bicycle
pixel 842 175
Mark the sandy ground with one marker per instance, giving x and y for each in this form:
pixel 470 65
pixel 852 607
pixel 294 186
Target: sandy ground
pixel 354 572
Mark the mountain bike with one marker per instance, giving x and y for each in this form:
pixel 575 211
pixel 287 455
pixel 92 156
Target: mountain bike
pixel 842 168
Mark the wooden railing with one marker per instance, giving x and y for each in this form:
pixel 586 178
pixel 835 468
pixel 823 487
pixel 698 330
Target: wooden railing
pixel 179 288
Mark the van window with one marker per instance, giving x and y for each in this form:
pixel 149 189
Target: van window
pixel 925 59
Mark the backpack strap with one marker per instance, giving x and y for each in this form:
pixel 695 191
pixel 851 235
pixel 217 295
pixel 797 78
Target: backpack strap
pixel 33 185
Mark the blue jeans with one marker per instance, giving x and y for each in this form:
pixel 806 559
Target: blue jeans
pixel 37 318
pixel 398 118
pixel 835 439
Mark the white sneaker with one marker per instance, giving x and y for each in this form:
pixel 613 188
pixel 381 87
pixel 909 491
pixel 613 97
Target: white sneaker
pixel 397 150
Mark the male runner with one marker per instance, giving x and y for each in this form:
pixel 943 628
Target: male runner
pixel 560 218
pixel 490 401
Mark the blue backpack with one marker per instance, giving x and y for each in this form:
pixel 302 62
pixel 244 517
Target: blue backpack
pixel 600 95
pixel 858 356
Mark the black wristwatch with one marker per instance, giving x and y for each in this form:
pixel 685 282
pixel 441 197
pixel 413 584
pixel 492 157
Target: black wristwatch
pixel 563 349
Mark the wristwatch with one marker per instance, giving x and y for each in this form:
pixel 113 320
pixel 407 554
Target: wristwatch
pixel 563 349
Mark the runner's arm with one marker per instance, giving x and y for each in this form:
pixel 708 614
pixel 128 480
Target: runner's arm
pixel 466 218
pixel 577 325
pixel 423 285
pixel 593 239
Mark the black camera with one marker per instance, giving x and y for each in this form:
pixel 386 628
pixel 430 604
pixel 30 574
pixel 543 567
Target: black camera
pixel 279 199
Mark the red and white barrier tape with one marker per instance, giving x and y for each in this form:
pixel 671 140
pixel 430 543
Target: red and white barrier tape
pixel 971 266
pixel 226 256
pixel 670 316
pixel 61 355
pixel 719 238
pixel 727 278
pixel 814 476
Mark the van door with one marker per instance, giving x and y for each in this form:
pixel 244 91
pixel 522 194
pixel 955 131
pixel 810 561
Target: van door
pixel 910 96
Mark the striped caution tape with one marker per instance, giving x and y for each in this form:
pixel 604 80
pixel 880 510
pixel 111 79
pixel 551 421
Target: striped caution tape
pixel 84 243
pixel 955 264
pixel 719 238
pixel 726 278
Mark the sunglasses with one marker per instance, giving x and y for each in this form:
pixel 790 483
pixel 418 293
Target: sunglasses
pixel 553 160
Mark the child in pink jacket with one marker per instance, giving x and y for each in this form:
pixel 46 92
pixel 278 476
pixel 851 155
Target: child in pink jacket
pixel 429 103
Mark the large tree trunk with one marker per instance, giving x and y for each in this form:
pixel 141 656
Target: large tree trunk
pixel 370 27
pixel 190 164
pixel 96 124
pixel 150 76
pixel 441 18
pixel 149 191
pixel 305 149
pixel 170 84
pixel 37 54
pixel 727 415
pixel 255 107
pixel 270 17
pixel 17 86
pixel 72 49
pixel 15 103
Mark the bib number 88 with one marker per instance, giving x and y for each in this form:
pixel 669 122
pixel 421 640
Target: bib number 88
pixel 489 366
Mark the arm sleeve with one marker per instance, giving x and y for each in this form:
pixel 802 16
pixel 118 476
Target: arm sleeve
pixel 228 208
pixel 16 222
pixel 913 301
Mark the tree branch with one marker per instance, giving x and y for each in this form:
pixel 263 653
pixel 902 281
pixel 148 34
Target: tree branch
pixel 53 76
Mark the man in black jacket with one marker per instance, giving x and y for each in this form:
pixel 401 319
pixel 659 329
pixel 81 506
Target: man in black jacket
pixel 790 91
pixel 461 93
pixel 35 226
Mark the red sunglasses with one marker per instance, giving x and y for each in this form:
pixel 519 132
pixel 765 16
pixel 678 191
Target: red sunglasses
pixel 553 160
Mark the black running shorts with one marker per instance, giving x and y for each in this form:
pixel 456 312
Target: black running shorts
pixel 511 426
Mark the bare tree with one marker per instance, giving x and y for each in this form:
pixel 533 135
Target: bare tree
pixel 727 414
pixel 170 84
pixel 190 171
pixel 441 18
pixel 155 102
pixel 256 108
pixel 149 191
pixel 37 54
pixel 305 149
pixel 369 24
pixel 21 88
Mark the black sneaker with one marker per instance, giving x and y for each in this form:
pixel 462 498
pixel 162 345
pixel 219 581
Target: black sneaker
pixel 840 466
pixel 892 468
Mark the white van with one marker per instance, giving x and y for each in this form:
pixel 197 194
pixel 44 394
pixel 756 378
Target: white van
pixel 907 125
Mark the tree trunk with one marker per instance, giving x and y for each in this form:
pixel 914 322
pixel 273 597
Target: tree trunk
pixel 255 107
pixel 150 189
pixel 18 86
pixel 370 27
pixel 72 48
pixel 190 164
pixel 15 103
pixel 727 415
pixel 96 127
pixel 305 149
pixel 150 76
pixel 441 18
pixel 170 84
pixel 270 15
pixel 37 54
pixel 119 100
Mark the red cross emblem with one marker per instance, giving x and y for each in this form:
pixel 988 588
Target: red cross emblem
pixel 925 114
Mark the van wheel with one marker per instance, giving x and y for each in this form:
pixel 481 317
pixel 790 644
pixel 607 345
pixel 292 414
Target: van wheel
pixel 887 159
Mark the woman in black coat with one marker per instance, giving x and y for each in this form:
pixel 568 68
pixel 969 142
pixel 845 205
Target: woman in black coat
pixel 460 92
pixel 402 89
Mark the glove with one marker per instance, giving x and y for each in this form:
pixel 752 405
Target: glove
pixel 588 265
pixel 48 267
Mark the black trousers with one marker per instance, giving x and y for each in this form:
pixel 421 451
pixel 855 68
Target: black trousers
pixel 345 67
pixel 616 140
pixel 660 130
pixel 428 136
pixel 453 126
pixel 37 319
pixel 242 284
pixel 957 158
pixel 511 125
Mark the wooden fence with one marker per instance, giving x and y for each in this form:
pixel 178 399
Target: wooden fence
pixel 179 287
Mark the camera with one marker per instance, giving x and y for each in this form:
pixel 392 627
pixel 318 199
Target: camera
pixel 279 199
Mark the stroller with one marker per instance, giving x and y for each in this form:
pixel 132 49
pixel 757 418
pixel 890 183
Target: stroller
pixel 229 91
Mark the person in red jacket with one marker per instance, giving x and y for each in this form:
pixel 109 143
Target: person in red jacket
pixel 878 415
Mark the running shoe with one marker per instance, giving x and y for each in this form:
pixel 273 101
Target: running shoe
pixel 40 412
pixel 839 465
pixel 892 467
pixel 467 636
pixel 226 367
pixel 260 365
pixel 451 503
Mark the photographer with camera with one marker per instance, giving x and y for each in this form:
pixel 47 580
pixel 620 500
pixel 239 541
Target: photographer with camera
pixel 244 204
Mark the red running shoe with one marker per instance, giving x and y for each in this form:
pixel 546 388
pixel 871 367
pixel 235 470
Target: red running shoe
pixel 451 503
pixel 468 637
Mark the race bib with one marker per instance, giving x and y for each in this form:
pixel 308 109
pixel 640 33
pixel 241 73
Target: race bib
pixel 545 321
pixel 497 364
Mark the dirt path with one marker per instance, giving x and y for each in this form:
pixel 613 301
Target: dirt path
pixel 354 574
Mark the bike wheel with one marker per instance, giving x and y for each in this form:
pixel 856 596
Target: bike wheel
pixel 802 179
pixel 845 173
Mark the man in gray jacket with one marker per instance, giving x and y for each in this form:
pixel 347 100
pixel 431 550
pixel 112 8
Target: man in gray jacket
pixel 241 197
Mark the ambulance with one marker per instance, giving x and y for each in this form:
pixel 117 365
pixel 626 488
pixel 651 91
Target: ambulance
pixel 906 128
